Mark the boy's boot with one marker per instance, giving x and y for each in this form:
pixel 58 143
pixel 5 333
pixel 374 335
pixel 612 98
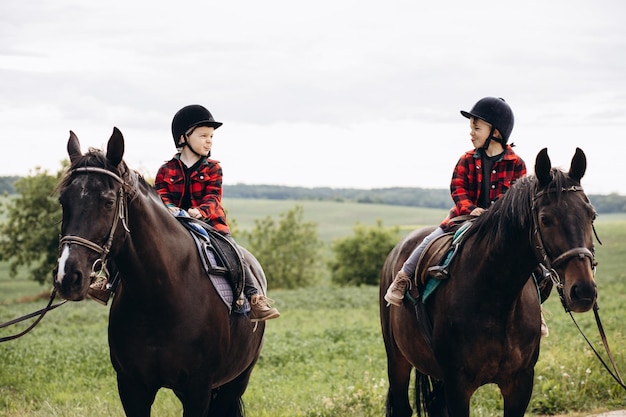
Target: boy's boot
pixel 544 327
pixel 260 309
pixel 395 292
pixel 99 290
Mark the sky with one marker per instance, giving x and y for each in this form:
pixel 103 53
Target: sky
pixel 342 93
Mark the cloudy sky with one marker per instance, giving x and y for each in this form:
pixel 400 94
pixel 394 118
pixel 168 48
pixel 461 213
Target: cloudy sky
pixel 338 93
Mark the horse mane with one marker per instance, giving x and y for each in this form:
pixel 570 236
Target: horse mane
pixel 97 158
pixel 512 213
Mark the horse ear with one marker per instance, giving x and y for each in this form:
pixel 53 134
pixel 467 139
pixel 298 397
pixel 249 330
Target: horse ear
pixel 579 165
pixel 543 167
pixel 73 147
pixel 115 148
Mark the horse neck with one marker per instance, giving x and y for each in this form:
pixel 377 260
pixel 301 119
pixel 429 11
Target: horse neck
pixel 506 266
pixel 156 245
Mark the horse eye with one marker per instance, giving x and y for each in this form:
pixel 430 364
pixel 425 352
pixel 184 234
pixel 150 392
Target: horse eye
pixel 546 221
pixel 109 204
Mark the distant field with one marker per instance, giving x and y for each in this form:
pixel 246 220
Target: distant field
pixel 333 219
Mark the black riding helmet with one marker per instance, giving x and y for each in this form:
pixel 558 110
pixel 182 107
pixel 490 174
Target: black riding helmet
pixel 497 113
pixel 189 117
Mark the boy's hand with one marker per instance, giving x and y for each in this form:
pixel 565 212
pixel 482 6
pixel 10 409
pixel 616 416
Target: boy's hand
pixel 195 213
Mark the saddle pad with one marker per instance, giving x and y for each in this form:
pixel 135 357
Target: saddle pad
pixel 225 290
pixel 429 288
pixel 229 262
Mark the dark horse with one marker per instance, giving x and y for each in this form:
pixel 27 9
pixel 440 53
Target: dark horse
pixel 168 326
pixel 485 318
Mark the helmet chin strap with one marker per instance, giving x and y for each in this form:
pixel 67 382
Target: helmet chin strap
pixel 490 138
pixel 185 143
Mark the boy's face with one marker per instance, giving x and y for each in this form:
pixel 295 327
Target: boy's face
pixel 201 139
pixel 479 132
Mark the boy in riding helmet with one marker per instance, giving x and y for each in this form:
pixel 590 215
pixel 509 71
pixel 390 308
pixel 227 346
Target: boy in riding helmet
pixel 192 182
pixel 480 177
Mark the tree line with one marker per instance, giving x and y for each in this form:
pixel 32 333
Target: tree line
pixel 397 196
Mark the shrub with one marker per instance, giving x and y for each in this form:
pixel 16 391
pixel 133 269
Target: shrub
pixel 360 257
pixel 289 250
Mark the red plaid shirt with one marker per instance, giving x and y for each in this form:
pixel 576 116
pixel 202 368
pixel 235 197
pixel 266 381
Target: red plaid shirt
pixel 468 176
pixel 205 186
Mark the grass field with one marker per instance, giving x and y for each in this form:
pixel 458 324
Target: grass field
pixel 334 219
pixel 324 356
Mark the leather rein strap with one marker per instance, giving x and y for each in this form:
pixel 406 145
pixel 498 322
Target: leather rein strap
pixel 39 313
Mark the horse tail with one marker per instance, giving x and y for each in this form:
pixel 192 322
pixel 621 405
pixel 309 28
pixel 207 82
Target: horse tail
pixel 430 399
pixel 423 389
pixel 240 409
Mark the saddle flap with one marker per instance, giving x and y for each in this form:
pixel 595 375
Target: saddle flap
pixel 225 259
pixel 433 254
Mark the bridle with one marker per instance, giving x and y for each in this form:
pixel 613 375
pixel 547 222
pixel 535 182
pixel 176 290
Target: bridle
pixel 548 265
pixel 99 266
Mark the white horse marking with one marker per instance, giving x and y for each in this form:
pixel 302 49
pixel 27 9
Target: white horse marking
pixel 62 259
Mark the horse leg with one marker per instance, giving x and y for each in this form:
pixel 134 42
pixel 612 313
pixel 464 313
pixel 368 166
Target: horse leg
pixel 399 373
pixel 226 400
pixel 136 399
pixel 435 400
pixel 517 392
pixel 195 397
pixel 457 396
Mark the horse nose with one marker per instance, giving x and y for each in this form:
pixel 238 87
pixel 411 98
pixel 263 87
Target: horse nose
pixel 70 284
pixel 583 296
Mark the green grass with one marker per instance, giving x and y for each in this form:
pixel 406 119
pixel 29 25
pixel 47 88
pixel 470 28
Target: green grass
pixel 323 357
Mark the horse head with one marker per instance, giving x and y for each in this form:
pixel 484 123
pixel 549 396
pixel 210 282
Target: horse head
pixel 563 231
pixel 92 194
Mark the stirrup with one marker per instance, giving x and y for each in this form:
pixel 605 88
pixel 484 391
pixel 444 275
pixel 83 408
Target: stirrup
pixel 438 271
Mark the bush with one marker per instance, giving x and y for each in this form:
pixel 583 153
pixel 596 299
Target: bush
pixel 30 234
pixel 288 250
pixel 359 258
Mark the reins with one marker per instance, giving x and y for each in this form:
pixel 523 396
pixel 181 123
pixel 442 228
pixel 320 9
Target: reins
pixel 548 271
pixel 615 372
pixel 40 313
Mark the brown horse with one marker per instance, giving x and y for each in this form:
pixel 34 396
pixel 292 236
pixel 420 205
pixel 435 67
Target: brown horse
pixel 482 324
pixel 168 326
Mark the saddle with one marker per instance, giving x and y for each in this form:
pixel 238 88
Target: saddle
pixel 220 256
pixel 434 255
pixel 432 266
